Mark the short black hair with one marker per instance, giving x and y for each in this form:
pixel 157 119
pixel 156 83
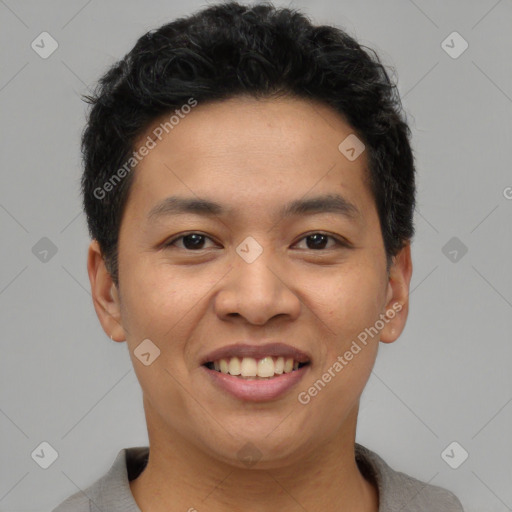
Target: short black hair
pixel 227 50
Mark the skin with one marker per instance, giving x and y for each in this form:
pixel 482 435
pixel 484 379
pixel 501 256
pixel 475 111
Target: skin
pixel 253 156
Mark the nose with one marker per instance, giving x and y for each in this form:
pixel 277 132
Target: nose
pixel 257 291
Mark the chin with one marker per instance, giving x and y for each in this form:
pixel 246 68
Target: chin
pixel 266 448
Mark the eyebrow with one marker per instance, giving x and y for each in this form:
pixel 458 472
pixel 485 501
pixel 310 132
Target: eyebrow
pixel 329 203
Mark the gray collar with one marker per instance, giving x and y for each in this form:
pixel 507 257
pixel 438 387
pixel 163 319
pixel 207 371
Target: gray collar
pixel 397 491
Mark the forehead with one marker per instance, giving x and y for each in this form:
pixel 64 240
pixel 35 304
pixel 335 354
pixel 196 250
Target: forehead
pixel 244 151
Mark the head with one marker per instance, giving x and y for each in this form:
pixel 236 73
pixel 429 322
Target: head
pixel 244 112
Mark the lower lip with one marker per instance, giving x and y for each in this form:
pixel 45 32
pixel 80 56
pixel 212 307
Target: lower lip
pixel 257 390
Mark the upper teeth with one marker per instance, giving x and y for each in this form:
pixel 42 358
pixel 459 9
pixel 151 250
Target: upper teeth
pixel 250 367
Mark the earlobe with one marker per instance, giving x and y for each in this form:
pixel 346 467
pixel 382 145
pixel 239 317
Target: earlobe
pixel 104 294
pixel 397 299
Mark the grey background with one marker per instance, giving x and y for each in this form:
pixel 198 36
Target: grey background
pixel 446 379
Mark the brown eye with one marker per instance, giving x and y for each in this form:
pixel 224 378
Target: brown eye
pixel 190 241
pixel 319 241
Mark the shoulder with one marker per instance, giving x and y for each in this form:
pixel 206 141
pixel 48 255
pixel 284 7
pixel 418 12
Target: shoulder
pixel 93 498
pixel 112 490
pixel 78 502
pixel 399 491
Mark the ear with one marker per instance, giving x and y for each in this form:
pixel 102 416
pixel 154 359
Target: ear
pixel 104 294
pixel 397 300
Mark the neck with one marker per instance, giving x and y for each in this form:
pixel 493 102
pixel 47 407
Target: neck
pixel 180 476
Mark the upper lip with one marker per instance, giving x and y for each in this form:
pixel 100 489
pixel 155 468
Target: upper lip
pixel 257 352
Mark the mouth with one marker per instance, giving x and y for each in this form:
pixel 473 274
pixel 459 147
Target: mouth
pixel 256 373
pixel 250 368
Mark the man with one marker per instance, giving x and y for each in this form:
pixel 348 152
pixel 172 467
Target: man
pixel 249 189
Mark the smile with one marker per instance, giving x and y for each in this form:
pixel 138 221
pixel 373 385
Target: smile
pixel 255 388
pixel 250 368
pixel 255 372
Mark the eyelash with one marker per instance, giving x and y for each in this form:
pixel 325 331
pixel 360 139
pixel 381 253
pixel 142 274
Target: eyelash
pixel 340 242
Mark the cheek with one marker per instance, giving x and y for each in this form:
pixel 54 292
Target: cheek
pixel 342 375
pixel 158 295
pixel 334 391
pixel 160 305
pixel 350 302
pixel 343 390
pixel 353 301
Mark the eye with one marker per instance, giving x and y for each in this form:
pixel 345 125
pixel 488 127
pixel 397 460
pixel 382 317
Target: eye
pixel 319 240
pixel 314 241
pixel 191 241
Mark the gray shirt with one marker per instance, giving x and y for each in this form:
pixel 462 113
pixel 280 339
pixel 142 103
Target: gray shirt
pixel 397 491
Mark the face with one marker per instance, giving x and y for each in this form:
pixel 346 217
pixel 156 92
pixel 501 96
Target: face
pixel 287 251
